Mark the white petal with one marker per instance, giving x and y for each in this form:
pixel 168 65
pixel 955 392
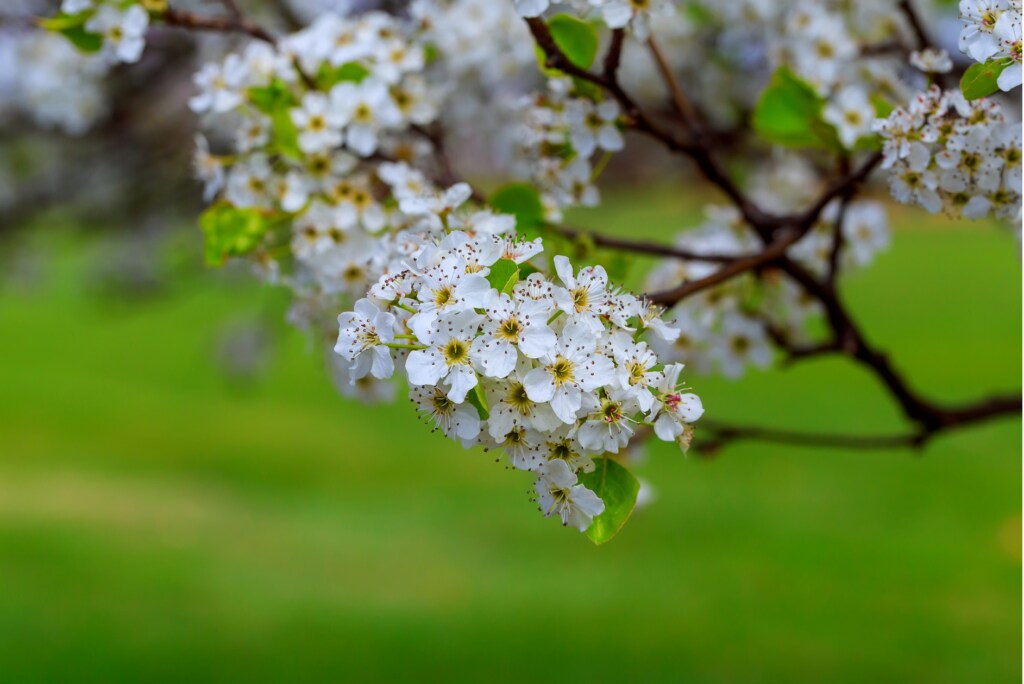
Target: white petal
pixel 461 379
pixel 425 367
pixel 383 365
pixel 566 403
pixel 537 340
pixel 667 428
pixel 539 385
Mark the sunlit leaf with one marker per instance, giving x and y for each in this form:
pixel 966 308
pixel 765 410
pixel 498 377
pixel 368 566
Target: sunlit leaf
pixel 522 201
pixel 618 488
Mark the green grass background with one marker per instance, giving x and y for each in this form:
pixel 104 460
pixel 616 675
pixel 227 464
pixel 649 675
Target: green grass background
pixel 158 525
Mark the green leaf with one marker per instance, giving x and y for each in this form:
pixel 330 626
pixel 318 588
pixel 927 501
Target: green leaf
pixel 62 21
pixel 276 100
pixel 271 97
pixel 868 143
pixel 431 53
pixel 789 113
pixel 617 266
pixel 230 231
pixel 286 136
pixel 477 398
pixel 618 488
pixel 981 80
pixel 883 107
pixel 586 89
pixel 698 15
pixel 504 275
pixel 72 27
pixel 575 37
pixel 522 201
pixel 349 72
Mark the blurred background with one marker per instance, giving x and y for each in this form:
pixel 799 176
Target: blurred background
pixel 184 496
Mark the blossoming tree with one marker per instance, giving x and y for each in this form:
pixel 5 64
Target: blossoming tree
pixel 324 156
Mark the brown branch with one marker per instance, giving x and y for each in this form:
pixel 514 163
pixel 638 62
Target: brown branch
pixel 845 185
pixel 796 352
pixel 770 254
pixel 679 99
pixel 233 9
pixel 614 55
pixel 838 239
pixel 888 47
pixel 931 417
pixel 638 246
pixel 982 411
pixel 920 35
pixel 640 121
pixel 287 13
pixel 232 24
pixel 723 433
pixel 698 149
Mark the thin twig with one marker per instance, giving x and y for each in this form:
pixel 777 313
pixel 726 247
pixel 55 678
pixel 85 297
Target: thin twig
pixel 189 20
pixel 770 254
pixel 721 433
pixel 920 35
pixel 639 246
pixel 838 240
pixel 614 55
pixel 679 99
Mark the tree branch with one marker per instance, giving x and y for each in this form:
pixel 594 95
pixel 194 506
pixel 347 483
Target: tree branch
pixel 233 24
pixel 679 99
pixel 920 35
pixel 638 246
pixel 770 254
pixel 614 55
pixel 723 433
pixel 931 417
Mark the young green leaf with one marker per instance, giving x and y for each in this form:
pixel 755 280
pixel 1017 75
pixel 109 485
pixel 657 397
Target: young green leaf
pixel 72 27
pixel 271 97
pixel 574 37
pixel 981 80
pixel 618 488
pixel 617 265
pixel 230 231
pixel 883 107
pixel 478 399
pixel 789 113
pixel 286 136
pixel 504 275
pixel 522 201
pixel 349 72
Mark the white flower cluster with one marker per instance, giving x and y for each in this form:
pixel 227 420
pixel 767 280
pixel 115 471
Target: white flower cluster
pixel 455 28
pixel 716 332
pixel 326 128
pixel 52 82
pixel 992 32
pixel 721 329
pixel 122 26
pixel 558 137
pixel 727 51
pixel 944 152
pixel 551 371
pixel 822 45
pixel 636 15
